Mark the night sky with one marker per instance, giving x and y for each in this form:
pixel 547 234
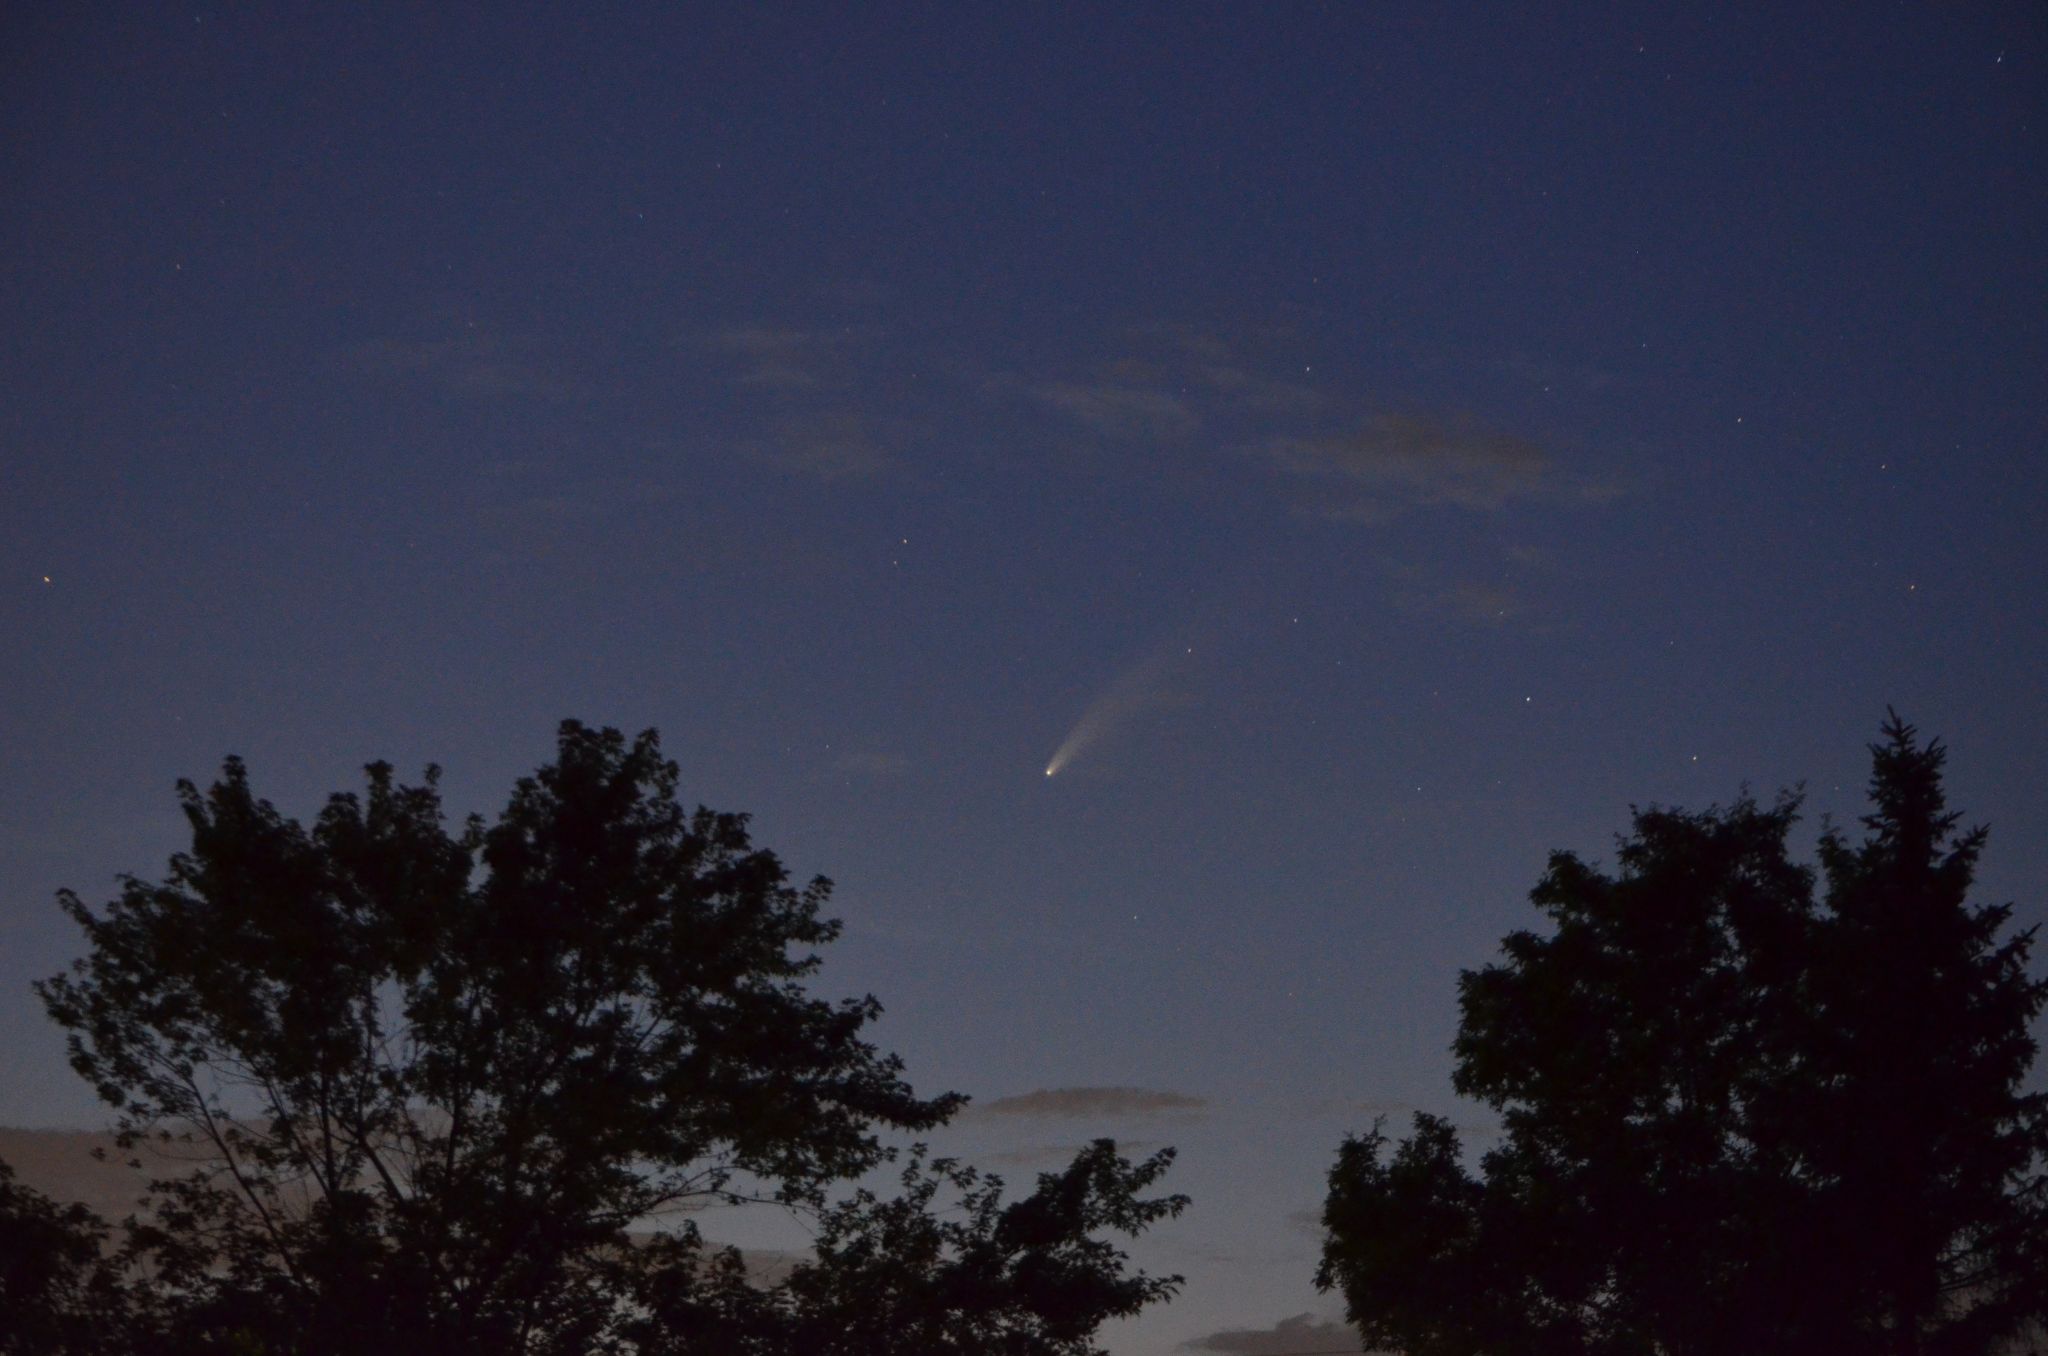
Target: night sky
pixel 1366 446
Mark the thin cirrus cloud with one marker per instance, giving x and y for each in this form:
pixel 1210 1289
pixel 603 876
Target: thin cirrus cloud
pixel 1175 383
pixel 1122 409
pixel 805 387
pixel 1395 461
pixel 1195 391
pixel 1475 602
pixel 1094 1103
pixel 781 360
pixel 1336 458
pixel 824 445
pixel 1288 1337
pixel 871 763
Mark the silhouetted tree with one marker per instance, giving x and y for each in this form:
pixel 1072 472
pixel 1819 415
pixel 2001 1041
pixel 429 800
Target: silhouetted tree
pixel 944 1269
pixel 58 1295
pixel 434 1076
pixel 1732 1121
pixel 1933 1224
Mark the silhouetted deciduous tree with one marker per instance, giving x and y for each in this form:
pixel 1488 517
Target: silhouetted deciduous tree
pixel 1732 1121
pixel 437 1076
pixel 943 1269
pixel 59 1296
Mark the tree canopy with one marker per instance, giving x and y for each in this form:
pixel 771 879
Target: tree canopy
pixel 55 1287
pixel 1734 1118
pixel 451 1083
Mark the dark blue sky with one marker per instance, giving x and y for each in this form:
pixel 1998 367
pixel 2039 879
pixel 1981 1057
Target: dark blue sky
pixel 1403 436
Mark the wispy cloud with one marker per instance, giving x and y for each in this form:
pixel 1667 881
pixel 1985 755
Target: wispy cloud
pixel 1469 601
pixel 1174 382
pixel 1231 378
pixel 808 389
pixel 1233 409
pixel 1394 461
pixel 786 361
pixel 1303 1332
pixel 871 764
pixel 1099 1103
pixel 1123 410
pixel 1338 454
pixel 826 445
pixel 1517 590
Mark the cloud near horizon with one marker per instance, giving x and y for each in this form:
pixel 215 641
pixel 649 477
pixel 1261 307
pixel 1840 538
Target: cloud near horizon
pixel 89 1167
pixel 1301 1333
pixel 1093 1102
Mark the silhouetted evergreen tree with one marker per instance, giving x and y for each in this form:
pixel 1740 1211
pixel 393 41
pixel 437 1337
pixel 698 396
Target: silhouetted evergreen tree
pixel 436 1076
pixel 1732 1121
pixel 1909 1107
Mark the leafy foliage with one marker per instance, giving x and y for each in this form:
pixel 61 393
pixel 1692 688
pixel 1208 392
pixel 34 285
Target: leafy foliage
pixel 1031 1277
pixel 436 1076
pixel 1733 1121
pixel 943 1269
pixel 58 1297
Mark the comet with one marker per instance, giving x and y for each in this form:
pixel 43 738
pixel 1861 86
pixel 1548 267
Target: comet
pixel 1134 690
pixel 1154 677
